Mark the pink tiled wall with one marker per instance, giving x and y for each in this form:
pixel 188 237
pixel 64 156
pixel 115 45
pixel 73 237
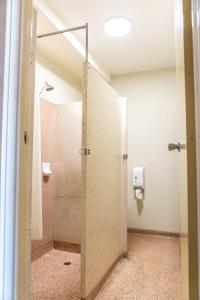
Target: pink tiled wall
pixel 61 142
pixel 48 133
pixel 68 173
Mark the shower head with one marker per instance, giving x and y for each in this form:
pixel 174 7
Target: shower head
pixel 47 87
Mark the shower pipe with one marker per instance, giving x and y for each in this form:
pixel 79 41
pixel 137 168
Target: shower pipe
pixel 69 30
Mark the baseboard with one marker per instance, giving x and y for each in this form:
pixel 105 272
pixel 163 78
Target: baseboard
pixel 65 246
pixel 98 287
pixel 40 251
pixel 154 232
pixel 184 236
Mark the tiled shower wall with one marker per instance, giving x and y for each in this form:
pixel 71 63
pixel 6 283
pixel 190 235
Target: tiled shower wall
pixel 61 192
pixel 48 132
pixel 67 221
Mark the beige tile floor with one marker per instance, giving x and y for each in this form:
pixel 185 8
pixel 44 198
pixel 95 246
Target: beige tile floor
pixel 152 272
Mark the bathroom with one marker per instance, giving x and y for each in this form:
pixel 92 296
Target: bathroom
pixel 145 118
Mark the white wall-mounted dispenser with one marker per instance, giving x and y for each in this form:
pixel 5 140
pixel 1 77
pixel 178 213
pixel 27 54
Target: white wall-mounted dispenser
pixel 138 182
pixel 46 169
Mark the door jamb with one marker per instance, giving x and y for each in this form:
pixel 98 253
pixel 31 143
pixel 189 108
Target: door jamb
pixel 26 108
pixel 191 150
pixel 10 71
pixel 196 47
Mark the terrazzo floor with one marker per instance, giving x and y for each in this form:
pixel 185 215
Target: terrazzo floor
pixel 52 280
pixel 152 272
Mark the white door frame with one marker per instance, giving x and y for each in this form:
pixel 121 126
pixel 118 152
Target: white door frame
pixel 10 28
pixel 15 118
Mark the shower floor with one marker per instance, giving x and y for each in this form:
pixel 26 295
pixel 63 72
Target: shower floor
pixel 152 271
pixel 52 280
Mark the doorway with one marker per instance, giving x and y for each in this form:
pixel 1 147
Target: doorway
pixel 191 167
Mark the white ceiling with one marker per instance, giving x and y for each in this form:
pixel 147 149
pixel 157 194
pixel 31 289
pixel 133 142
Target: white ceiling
pixel 150 44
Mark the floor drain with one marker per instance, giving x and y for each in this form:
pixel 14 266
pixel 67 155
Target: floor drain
pixel 67 263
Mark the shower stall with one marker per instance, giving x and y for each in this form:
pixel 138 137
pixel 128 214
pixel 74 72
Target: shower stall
pixel 61 183
pixel 80 208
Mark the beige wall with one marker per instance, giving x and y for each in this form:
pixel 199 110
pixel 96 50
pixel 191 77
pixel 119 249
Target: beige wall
pixel 153 122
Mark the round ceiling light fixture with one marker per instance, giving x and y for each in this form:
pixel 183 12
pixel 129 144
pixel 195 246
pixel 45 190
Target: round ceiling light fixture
pixel 117 26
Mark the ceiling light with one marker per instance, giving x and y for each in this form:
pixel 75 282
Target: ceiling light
pixel 117 26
